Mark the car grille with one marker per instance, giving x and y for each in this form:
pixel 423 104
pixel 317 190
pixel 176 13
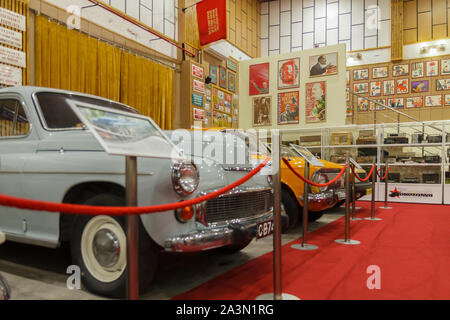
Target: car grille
pixel 238 206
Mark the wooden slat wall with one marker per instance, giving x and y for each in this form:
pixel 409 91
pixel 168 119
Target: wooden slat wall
pixel 396 30
pixel 21 7
pixel 426 20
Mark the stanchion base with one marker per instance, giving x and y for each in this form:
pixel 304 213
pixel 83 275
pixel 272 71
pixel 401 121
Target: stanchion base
pixel 374 219
pixel 384 207
pixel 306 247
pixel 343 241
pixel 269 296
pixel 355 219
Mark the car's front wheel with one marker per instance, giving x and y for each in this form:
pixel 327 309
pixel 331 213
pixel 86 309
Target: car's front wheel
pixel 99 248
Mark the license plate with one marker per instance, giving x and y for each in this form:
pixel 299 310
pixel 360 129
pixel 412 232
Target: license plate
pixel 369 191
pixel 264 229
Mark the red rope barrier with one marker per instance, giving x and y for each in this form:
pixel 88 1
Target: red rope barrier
pixel 367 178
pixel 36 205
pixel 387 170
pixel 286 162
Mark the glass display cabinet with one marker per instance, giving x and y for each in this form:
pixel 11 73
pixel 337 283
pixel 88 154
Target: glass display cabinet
pixel 418 155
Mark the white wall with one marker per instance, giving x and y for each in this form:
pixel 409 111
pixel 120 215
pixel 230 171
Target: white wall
pixel 293 25
pixel 335 94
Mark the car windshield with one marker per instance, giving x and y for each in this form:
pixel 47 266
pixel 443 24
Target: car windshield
pixel 58 114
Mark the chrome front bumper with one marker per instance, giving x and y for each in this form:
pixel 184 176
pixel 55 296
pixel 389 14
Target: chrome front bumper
pixel 235 232
pixel 324 200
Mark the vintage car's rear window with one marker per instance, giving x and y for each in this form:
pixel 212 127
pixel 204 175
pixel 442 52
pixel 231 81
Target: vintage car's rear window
pixel 58 114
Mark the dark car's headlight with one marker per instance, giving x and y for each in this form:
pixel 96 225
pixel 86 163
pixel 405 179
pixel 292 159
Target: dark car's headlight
pixel 185 178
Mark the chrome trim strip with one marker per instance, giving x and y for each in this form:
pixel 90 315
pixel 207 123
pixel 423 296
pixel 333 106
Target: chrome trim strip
pixel 32 241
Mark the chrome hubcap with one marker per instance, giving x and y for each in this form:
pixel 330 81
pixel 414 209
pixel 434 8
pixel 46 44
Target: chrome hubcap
pixel 106 247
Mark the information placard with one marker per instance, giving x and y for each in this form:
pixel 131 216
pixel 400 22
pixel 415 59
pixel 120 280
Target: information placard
pixel 307 155
pixel 14 57
pixel 12 19
pixel 10 38
pixel 10 76
pixel 356 164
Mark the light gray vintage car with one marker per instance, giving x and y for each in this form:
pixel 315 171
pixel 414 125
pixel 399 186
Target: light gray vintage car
pixel 46 153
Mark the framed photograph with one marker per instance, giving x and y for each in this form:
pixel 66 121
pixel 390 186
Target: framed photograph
pixel 379 72
pixel 375 89
pixel 289 73
pixel 347 76
pixel 199 114
pixel 402 86
pixel 361 87
pixel 375 104
pixel 349 111
pixel 445 67
pixel 213 74
pixel 433 101
pixel 222 77
pixel 259 79
pixel 198 86
pixel 414 102
pixel 347 94
pixel 316 102
pixel 323 65
pixel 360 74
pixel 396 103
pixel 262 115
pixel 442 84
pixel 419 86
pixel 231 81
pixel 232 65
pixel 447 99
pixel 432 68
pixel 417 70
pixel 400 70
pixel 197 71
pixel 388 87
pixel 363 104
pixel 288 109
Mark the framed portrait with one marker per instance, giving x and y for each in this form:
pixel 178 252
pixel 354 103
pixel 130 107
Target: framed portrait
pixel 360 74
pixel 363 104
pixel 288 107
pixel 445 67
pixel 259 79
pixel 262 115
pixel 442 84
pixel 323 65
pixel 432 68
pixel 231 81
pixel 222 77
pixel 414 102
pixel 433 101
pixel 377 104
pixel 419 86
pixel 417 70
pixel 388 87
pixel 375 88
pixel 447 99
pixel 396 103
pixel 380 72
pixel 213 74
pixel 288 73
pixel 316 103
pixel 400 70
pixel 361 87
pixel 402 86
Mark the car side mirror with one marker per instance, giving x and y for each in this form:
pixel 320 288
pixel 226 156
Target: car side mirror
pixel 5 292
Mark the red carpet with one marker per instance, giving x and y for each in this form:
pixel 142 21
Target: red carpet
pixel 411 246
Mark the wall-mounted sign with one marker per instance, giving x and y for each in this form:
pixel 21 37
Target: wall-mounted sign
pixel 12 19
pixel 14 57
pixel 198 86
pixel 10 76
pixel 197 71
pixel 10 37
pixel 197 100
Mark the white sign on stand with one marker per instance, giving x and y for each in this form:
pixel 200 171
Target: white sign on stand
pixel 307 155
pixel 356 164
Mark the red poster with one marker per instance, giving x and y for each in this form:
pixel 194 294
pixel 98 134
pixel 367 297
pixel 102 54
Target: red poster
pixel 212 20
pixel 288 110
pixel 316 105
pixel 259 79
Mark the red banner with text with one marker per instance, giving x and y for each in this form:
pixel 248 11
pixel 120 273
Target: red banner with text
pixel 212 20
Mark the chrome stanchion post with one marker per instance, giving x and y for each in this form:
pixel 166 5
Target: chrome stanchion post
pixel 304 245
pixel 372 203
pixel 386 182
pixel 276 164
pixel 354 208
pixel 132 230
pixel 347 239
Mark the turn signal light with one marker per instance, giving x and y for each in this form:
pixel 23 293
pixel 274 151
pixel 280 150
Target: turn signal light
pixel 184 214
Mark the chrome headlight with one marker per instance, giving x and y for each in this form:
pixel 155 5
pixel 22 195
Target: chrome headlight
pixel 185 178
